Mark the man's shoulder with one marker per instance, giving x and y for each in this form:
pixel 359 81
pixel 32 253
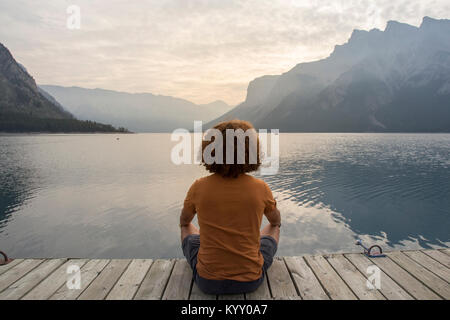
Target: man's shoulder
pixel 259 182
pixel 217 178
pixel 204 180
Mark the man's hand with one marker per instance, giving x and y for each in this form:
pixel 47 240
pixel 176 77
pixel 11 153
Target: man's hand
pixel 274 217
pixel 188 230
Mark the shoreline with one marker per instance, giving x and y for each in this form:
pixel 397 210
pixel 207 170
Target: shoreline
pixel 2 133
pixel 58 133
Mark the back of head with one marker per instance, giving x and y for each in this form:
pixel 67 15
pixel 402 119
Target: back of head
pixel 231 148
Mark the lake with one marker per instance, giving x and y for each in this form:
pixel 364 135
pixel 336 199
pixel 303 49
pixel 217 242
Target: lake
pixel 96 196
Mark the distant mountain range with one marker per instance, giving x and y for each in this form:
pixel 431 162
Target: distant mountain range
pixel 139 112
pixel 26 108
pixel 396 80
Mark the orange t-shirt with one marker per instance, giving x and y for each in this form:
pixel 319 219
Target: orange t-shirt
pixel 229 214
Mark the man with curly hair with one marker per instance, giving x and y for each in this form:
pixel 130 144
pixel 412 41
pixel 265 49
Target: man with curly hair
pixel 230 254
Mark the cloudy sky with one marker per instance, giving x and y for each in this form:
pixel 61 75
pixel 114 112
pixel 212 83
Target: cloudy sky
pixel 200 50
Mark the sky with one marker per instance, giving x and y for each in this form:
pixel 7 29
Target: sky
pixel 199 50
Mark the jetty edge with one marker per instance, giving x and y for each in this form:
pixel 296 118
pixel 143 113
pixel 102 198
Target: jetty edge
pixel 401 275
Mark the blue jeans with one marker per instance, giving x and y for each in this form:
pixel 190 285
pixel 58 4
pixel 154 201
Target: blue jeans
pixel 191 244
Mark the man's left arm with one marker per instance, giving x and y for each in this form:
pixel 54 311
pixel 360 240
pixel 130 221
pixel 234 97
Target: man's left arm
pixel 186 217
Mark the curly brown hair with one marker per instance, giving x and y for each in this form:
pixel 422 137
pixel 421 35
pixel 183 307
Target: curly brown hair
pixel 236 164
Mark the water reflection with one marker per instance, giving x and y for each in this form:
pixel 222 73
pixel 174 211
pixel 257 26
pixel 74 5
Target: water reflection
pixel 16 181
pixel 96 196
pixel 389 189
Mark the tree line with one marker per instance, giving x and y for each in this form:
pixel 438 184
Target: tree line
pixel 19 122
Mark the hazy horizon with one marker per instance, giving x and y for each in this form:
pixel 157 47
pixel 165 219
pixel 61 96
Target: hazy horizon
pixel 201 51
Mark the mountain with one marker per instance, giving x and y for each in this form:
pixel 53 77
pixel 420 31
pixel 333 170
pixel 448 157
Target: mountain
pixel 396 80
pixel 26 108
pixel 140 112
pixel 19 93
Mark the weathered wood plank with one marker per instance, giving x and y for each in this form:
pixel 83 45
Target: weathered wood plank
pixel 21 287
pixel 53 282
pixel 287 298
pixel 179 285
pixel 10 265
pixel 438 256
pixel 100 287
pixel 330 280
pixel 431 280
pixel 262 293
pixel 89 272
pixel 389 288
pixel 231 297
pixel 353 278
pixel 307 283
pixel 129 282
pixel 197 294
pixel 421 274
pixel 404 279
pixel 430 263
pixel 280 281
pixel 154 283
pixel 17 272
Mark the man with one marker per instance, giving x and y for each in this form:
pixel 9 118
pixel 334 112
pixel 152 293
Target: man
pixel 229 254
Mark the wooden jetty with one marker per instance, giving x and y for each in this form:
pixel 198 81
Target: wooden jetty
pixel 420 274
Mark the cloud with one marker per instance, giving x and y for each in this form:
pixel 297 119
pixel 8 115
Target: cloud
pixel 201 50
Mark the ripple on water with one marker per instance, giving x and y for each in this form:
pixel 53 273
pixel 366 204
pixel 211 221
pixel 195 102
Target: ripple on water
pixel 85 195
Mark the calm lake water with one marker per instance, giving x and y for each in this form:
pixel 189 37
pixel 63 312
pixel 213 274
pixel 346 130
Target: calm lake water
pixel 96 196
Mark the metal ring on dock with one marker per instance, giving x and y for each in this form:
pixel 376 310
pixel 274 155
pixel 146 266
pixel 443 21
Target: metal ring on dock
pixel 6 260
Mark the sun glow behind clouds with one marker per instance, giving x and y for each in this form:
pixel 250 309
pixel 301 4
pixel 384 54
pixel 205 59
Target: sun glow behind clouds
pixel 199 50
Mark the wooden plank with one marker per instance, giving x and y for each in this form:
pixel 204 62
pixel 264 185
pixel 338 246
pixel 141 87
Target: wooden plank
pixel 231 297
pixel 280 281
pixel 404 279
pixel 53 282
pixel 389 288
pixel 17 272
pixel 421 274
pixel 179 285
pixel 305 280
pixel 430 263
pixel 262 293
pixel 129 282
pixel 353 278
pixel 438 256
pixel 287 298
pixel 154 283
pixel 8 266
pixel 330 280
pixel 21 287
pixel 197 294
pixel 100 287
pixel 431 280
pixel 89 272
